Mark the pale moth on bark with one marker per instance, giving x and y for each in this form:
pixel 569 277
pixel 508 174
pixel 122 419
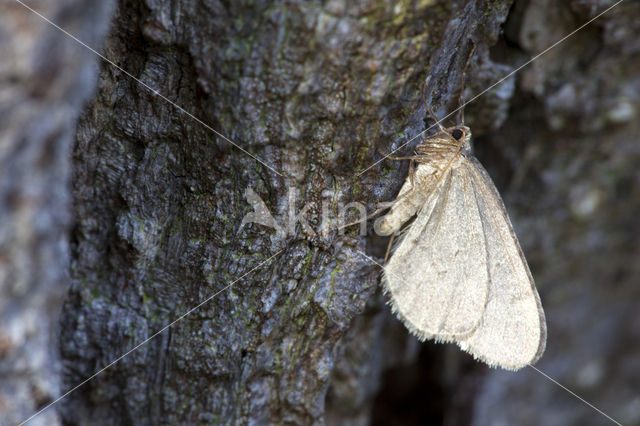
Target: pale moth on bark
pixel 458 273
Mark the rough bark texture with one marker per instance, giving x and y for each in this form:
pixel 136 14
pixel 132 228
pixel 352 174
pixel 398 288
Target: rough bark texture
pixel 311 89
pixel 45 79
pixel 314 90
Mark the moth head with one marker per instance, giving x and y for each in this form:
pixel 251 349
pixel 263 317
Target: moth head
pixel 459 133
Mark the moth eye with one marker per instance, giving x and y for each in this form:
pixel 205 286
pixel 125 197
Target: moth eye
pixel 457 134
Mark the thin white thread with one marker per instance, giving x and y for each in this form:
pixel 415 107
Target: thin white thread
pixel 497 83
pixel 181 317
pixel 152 90
pixel 577 396
pixel 539 371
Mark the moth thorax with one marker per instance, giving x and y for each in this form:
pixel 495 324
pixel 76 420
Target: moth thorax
pixel 467 149
pixel 463 135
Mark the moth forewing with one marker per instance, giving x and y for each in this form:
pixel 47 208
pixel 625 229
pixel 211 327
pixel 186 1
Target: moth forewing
pixel 458 273
pixel 435 275
pixel 513 333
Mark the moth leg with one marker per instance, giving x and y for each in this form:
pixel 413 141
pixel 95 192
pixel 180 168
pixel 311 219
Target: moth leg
pixel 369 216
pixel 389 157
pixel 412 164
pixel 412 170
pixel 386 204
pixel 386 254
pixel 389 204
pixel 382 206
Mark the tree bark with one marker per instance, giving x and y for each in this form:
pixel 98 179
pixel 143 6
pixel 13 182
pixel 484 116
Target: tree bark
pixel 45 79
pixel 312 91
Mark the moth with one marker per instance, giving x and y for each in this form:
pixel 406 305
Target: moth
pixel 458 273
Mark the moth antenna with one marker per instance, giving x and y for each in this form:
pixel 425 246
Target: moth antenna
pixel 464 79
pixel 424 101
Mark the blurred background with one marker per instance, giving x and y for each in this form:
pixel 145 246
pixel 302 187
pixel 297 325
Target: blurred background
pixel 118 212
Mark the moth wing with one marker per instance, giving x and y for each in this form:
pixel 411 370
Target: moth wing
pixel 512 332
pixel 437 276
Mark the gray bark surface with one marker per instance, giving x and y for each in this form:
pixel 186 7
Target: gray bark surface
pixel 313 90
pixel 45 79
